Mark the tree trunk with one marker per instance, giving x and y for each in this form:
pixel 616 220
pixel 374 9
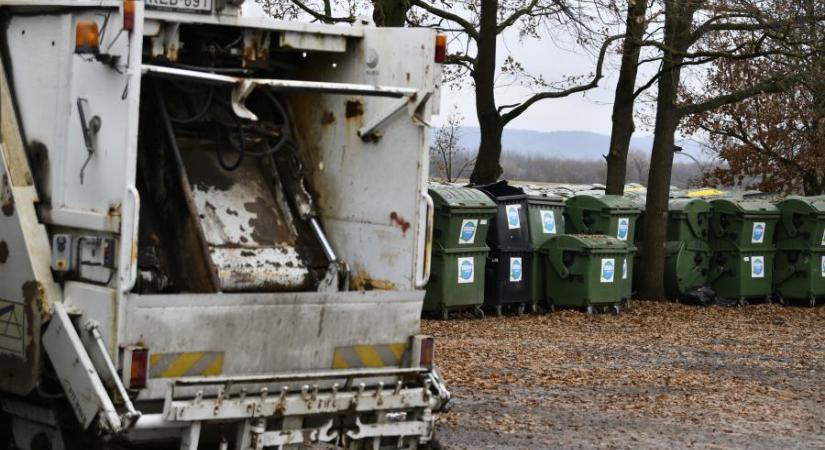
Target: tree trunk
pixel 623 125
pixel 678 21
pixel 487 168
pixel 390 13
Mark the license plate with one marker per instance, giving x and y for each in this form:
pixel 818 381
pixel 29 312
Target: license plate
pixel 182 5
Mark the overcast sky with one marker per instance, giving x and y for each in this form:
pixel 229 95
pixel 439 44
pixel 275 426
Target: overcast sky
pixel 587 112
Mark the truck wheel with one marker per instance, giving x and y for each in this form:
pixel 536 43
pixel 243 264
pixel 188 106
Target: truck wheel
pixel 5 432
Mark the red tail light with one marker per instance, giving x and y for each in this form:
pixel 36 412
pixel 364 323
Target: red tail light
pixel 427 352
pixel 140 367
pixel 128 15
pixel 440 48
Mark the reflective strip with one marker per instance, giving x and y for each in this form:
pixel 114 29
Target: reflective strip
pixel 172 365
pixel 359 356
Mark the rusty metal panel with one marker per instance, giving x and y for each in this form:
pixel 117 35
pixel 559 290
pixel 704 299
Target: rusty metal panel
pixel 270 332
pixel 249 230
pixel 371 194
pixel 26 284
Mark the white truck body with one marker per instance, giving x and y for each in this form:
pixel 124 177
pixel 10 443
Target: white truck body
pixel 274 304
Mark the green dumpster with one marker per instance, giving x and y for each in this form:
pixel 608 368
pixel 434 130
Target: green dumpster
pixel 584 271
pixel 742 241
pixel 688 220
pixel 743 276
pixel 800 245
pixel 461 218
pixel 545 213
pixel 456 281
pixel 687 263
pixel 461 221
pixel 611 215
pixel 742 225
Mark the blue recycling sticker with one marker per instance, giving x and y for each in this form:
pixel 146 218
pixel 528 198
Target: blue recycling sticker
pixel 758 232
pixel 466 270
pixel 512 217
pixel 515 269
pixel 548 220
pixel 624 228
pixel 758 267
pixel 608 270
pixel 468 232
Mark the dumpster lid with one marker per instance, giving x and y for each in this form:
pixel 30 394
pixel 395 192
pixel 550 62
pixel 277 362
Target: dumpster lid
pixel 459 197
pixel 815 205
pixel 745 207
pixel 585 242
pixel 689 205
pixel 502 190
pixel 613 202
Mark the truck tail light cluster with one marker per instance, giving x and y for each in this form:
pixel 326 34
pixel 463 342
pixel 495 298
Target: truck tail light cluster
pixel 427 355
pixel 139 368
pixel 128 15
pixel 440 48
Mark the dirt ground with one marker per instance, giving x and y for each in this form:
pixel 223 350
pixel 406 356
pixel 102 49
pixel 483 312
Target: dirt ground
pixel 658 376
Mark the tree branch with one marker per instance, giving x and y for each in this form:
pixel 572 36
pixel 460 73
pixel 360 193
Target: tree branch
pixel 777 84
pixel 464 24
pixel 326 18
pixel 594 82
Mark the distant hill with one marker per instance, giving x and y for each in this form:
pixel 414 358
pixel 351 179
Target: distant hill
pixel 579 145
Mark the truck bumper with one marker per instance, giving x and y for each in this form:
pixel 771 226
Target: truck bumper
pixel 352 405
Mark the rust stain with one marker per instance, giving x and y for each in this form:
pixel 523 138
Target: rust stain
pixel 327 118
pixel 354 109
pixel 408 76
pixel 398 220
pixel 6 197
pixel 34 295
pixel 4 252
pixel 363 282
pixel 250 52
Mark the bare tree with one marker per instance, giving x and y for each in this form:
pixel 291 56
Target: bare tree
pixel 625 98
pixel 696 33
pixel 478 25
pixel 449 159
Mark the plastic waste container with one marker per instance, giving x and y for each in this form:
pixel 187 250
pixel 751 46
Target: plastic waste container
pixel 742 241
pixel 743 276
pixel 545 213
pixel 688 220
pixel 510 229
pixel 461 221
pixel 507 280
pixel 799 274
pixel 462 217
pixel 584 271
pixel 742 225
pixel 611 215
pixel 456 280
pixel 687 263
pixel 509 265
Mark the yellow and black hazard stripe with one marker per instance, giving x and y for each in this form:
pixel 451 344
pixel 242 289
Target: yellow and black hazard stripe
pixel 360 356
pixel 189 364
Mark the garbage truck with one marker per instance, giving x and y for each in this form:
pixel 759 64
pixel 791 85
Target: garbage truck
pixel 215 228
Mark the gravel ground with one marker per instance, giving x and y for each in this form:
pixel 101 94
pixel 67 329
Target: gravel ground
pixel 660 375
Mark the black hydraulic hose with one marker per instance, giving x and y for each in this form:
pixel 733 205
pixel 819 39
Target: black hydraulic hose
pixel 200 113
pixel 241 147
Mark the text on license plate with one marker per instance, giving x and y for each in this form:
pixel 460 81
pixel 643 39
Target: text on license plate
pixel 187 5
